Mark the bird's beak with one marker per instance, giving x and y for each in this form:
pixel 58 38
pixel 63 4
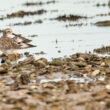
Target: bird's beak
pixel 13 34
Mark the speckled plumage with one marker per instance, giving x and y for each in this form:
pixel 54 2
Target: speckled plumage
pixel 9 44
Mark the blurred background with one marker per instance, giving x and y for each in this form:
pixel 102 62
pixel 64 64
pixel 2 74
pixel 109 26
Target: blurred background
pixel 59 28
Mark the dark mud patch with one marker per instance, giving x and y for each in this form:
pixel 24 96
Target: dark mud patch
pixel 39 3
pixel 21 24
pixel 78 24
pixel 101 5
pixel 103 50
pixel 83 2
pixel 103 23
pixel 103 14
pixel 40 53
pixel 38 21
pixel 24 13
pixel 33 35
pixel 26 23
pixel 53 11
pixel 69 18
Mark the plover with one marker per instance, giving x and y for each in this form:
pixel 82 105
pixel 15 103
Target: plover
pixel 9 45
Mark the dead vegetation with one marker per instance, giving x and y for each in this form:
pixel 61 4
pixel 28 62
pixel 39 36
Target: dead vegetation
pixel 39 3
pixel 69 18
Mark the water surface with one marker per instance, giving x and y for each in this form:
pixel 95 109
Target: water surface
pixel 71 39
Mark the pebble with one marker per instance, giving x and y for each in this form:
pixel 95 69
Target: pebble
pixel 107 86
pixel 95 73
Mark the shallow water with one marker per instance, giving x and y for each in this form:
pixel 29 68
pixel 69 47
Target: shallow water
pixel 70 39
pixel 62 77
pixel 57 77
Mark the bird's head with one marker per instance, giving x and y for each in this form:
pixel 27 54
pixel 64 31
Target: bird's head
pixel 7 32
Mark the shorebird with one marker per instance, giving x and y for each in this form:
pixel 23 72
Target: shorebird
pixel 10 45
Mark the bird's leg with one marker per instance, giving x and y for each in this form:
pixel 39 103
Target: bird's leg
pixel 17 55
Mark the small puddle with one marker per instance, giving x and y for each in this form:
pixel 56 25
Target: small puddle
pixel 56 77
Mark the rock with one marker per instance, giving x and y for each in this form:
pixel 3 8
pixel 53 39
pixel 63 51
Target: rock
pixel 2 55
pixel 12 57
pixel 56 62
pixel 107 86
pixel 81 59
pixel 73 68
pixel 22 13
pixel 95 73
pixel 80 64
pixel 103 73
pixel 23 79
pixel 40 53
pixel 26 54
pixel 107 70
pixel 103 23
pixel 102 64
pixel 33 87
pixel 59 51
pixel 103 50
pixel 107 104
pixel 3 70
pixel 29 60
pixel 69 18
pixel 44 60
pixel 40 64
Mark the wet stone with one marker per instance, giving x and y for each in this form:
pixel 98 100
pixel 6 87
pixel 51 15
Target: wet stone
pixel 56 62
pixel 103 23
pixel 69 17
pixel 22 13
pixel 26 54
pixel 80 64
pixel 108 104
pixel 103 50
pixel 39 3
pixel 40 63
pixel 57 83
pixel 40 53
pixel 3 70
pixel 12 57
pixel 95 72
pixel 23 79
pixel 29 60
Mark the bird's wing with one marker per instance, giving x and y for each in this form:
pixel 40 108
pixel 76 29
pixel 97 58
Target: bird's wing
pixel 8 43
pixel 26 45
pixel 19 38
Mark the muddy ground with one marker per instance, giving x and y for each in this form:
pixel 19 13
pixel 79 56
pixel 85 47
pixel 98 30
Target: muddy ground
pixel 30 84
